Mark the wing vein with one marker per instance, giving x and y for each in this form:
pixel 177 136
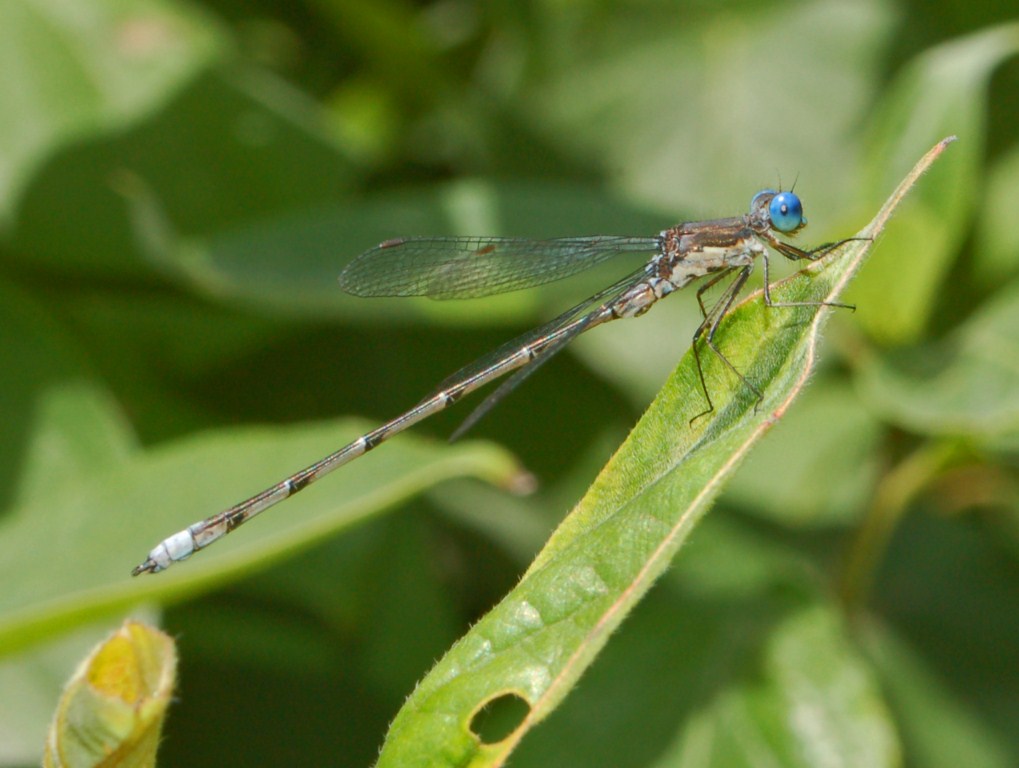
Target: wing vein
pixel 471 267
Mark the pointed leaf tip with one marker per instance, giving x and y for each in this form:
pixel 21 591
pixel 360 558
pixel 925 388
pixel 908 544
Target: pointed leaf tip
pixel 112 709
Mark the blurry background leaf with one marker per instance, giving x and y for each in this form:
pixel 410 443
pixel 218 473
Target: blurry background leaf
pixel 998 240
pixel 820 482
pixel 944 90
pixel 74 69
pixel 965 384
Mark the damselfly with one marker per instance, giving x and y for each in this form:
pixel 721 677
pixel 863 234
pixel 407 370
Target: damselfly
pixel 470 267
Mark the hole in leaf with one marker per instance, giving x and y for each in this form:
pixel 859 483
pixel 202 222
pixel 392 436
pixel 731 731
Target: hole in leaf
pixel 499 717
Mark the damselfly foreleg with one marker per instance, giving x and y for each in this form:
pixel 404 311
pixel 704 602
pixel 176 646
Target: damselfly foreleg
pixel 793 253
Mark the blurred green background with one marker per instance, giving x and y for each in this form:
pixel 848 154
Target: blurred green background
pixel 181 183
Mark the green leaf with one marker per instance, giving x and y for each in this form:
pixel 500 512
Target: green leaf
pixel 965 384
pixel 738 656
pixel 806 700
pixel 57 422
pixel 58 425
pixel 66 555
pixel 604 557
pixel 106 62
pixel 28 697
pixel 112 710
pixel 225 148
pixel 939 729
pixel 943 91
pixel 660 105
pixel 997 240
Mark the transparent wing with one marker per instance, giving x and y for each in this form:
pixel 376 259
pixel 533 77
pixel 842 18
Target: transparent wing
pixel 469 267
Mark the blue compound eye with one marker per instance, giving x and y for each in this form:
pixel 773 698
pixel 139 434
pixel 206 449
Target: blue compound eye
pixel 786 212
